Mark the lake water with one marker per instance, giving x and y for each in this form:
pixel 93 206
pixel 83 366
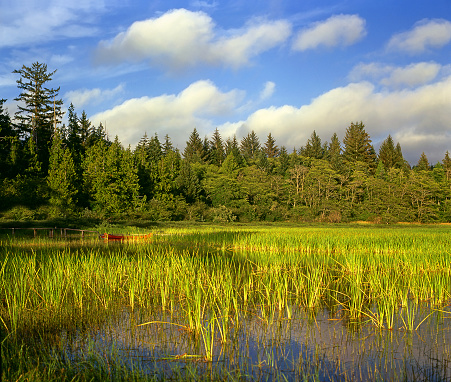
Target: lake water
pixel 310 346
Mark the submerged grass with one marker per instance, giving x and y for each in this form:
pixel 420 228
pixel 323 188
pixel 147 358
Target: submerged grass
pixel 208 279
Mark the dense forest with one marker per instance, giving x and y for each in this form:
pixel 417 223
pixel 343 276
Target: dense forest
pixel 50 170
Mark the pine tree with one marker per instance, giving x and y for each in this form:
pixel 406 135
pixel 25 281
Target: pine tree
pixel 111 177
pixel 39 111
pixel 423 163
pixel 231 145
pixel 447 165
pixel 249 146
pixel 8 140
pixel 283 162
pixel 334 154
pixel 62 177
pixel 217 154
pixel 85 129
pixel 313 148
pixel 358 147
pixel 167 145
pixel 390 155
pixel 194 148
pixel 270 148
pixel 155 152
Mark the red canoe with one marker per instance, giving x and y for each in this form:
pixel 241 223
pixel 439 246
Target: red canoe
pixel 108 236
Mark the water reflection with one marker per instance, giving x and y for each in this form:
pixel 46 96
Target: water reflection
pixel 305 347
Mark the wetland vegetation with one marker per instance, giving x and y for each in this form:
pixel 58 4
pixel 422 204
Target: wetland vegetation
pixel 229 302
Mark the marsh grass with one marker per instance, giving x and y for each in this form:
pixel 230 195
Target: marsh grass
pixel 209 280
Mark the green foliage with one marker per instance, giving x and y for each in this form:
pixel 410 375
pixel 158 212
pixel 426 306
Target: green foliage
pixel 76 169
pixel 270 148
pixel 222 214
pixel 358 147
pixel 313 148
pixel 62 178
pixel 111 178
pixel 194 149
pixel 38 111
pixel 250 146
pixel 423 163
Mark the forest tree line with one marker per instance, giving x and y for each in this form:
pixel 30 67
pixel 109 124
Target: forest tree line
pixel 50 170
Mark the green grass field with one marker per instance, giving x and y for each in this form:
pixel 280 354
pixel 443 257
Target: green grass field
pixel 207 281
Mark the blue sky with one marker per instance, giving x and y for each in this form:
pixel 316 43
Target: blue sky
pixel 285 67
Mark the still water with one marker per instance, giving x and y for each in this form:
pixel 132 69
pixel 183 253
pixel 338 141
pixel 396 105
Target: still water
pixel 313 345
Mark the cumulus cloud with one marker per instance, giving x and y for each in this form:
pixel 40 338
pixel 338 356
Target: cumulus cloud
pixel 417 118
pixel 412 75
pixel 339 30
pixel 175 114
pixel 82 97
pixel 182 38
pixel 424 35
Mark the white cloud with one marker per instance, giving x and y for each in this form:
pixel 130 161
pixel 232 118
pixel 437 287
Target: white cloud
pixel 417 118
pixel 40 21
pixel 268 90
pixel 412 75
pixel 339 30
pixel 181 38
pixel 425 34
pixel 80 98
pixel 176 115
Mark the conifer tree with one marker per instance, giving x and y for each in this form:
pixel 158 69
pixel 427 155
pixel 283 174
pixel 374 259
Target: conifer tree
pixel 250 146
pixel 270 148
pixel 167 145
pixel 155 152
pixel 8 140
pixel 423 163
pixel 39 111
pixel 358 147
pixel 217 154
pixel 194 148
pixel 61 177
pixel 334 154
pixel 390 155
pixel 283 162
pixel 313 148
pixel 231 145
pixel 85 129
pixel 447 165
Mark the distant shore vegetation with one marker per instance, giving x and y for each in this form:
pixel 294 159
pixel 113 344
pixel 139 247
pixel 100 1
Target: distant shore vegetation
pixel 52 170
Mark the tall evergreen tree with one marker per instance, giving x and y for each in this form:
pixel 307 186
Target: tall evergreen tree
pixel 282 162
pixel 447 165
pixel 85 129
pixel 250 146
pixel 334 154
pixel 39 111
pixel 62 177
pixel 390 155
pixel 167 145
pixel 217 153
pixel 111 177
pixel 423 163
pixel 231 145
pixel 358 147
pixel 8 142
pixel 155 151
pixel 194 148
pixel 270 148
pixel 313 148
